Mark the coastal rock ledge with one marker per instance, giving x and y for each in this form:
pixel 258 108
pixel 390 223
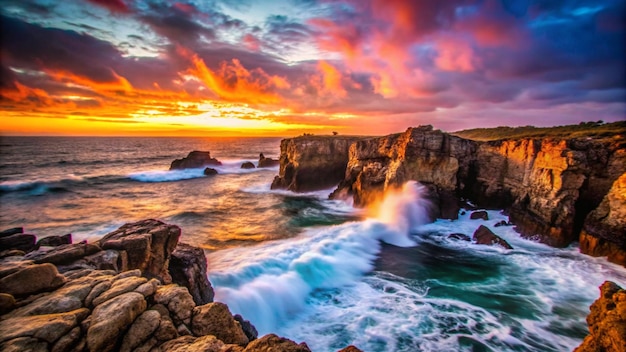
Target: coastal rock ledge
pixel 136 289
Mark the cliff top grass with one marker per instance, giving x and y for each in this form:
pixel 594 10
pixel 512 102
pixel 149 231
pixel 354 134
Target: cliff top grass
pixel 596 130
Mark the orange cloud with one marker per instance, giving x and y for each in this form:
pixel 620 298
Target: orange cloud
pixel 233 82
pixel 332 79
pixel 120 84
pixel 23 93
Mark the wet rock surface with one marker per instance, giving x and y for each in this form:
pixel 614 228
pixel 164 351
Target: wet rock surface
pixel 195 159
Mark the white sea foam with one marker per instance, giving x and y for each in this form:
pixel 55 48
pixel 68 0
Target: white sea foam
pixel 271 282
pixel 227 167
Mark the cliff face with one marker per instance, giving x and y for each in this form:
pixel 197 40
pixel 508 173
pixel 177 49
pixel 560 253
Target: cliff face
pixel 607 321
pixel 549 186
pixel 312 162
pixel 604 230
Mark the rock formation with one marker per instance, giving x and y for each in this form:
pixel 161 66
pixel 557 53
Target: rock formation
pixel 116 295
pixel 247 165
pixel 483 235
pixel 195 159
pixel 548 185
pixel 209 171
pixel 311 163
pixel 607 321
pixel 604 230
pixel 267 162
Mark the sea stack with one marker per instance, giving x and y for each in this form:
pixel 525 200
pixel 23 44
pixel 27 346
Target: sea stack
pixel 195 159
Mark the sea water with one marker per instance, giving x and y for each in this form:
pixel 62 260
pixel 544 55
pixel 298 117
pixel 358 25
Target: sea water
pixel 305 267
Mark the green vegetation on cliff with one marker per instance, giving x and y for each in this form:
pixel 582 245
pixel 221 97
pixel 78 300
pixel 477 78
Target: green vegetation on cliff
pixel 584 129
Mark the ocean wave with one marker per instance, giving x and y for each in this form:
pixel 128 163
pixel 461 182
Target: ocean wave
pixel 228 167
pixel 40 187
pixel 271 282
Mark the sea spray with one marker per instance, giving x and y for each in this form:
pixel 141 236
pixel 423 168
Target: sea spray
pixel 269 284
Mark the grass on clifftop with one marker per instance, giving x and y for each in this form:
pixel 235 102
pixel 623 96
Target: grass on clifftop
pixel 584 129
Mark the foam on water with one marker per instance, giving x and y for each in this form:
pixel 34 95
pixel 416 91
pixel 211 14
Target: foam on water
pixel 320 287
pixel 227 167
pixel 270 283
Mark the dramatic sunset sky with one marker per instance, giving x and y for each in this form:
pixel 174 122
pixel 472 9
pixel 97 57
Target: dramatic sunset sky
pixel 284 67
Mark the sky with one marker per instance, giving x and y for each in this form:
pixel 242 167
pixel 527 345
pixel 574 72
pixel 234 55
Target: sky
pixel 287 67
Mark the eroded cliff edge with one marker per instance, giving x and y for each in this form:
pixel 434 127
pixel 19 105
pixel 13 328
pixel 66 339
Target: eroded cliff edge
pixel 548 185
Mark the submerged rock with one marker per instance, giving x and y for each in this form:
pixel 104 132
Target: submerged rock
pixel 483 235
pixel 459 236
pixel 247 165
pixel 195 159
pixel 209 171
pixel 479 215
pixel 607 321
pixel 267 162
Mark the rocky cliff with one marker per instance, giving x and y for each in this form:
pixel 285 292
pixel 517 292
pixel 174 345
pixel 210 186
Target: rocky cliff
pixel 117 295
pixel 548 185
pixel 607 321
pixel 312 162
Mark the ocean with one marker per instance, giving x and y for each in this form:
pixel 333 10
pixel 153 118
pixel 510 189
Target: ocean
pixel 305 267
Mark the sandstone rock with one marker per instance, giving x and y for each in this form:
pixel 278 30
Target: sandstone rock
pixel 188 268
pixel 209 171
pixel 350 349
pixel 97 290
pixel 11 253
pixel 247 165
pixel 12 231
pixel 12 265
pixel 604 230
pixel 479 215
pixel 310 163
pixel 215 319
pixel 48 328
pixel 108 260
pixel 149 244
pixel 178 302
pixel 267 162
pixel 67 341
pixel 483 235
pixel 65 299
pixel 271 342
pixel 193 160
pixel 63 254
pixel 32 279
pixel 18 241
pixel 166 330
pixel 607 321
pixel 119 287
pixel 459 236
pixel 189 343
pixel 111 318
pixel 141 330
pixel 247 327
pixel 149 288
pixel 7 303
pixel 54 241
pixel 21 344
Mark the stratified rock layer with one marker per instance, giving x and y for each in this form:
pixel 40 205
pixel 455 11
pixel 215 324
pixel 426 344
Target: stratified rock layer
pixel 607 321
pixel 312 163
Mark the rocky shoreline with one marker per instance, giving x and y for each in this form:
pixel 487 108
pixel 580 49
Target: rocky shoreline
pixel 135 289
pixel 555 190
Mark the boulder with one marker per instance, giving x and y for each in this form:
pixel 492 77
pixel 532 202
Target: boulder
pixel 149 245
pixel 48 328
pixel 19 241
pixel 119 287
pixel 267 162
pixel 54 241
pixel 32 279
pixel 11 231
pixel 63 254
pixel 271 342
pixel 195 159
pixel 502 223
pixel 7 303
pixel 188 268
pixel 483 235
pixel 216 319
pixel 21 344
pixel 178 301
pixel 111 318
pixel 481 214
pixel 209 171
pixel 247 327
pixel 607 321
pixel 207 343
pixel 141 330
pixel 247 165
